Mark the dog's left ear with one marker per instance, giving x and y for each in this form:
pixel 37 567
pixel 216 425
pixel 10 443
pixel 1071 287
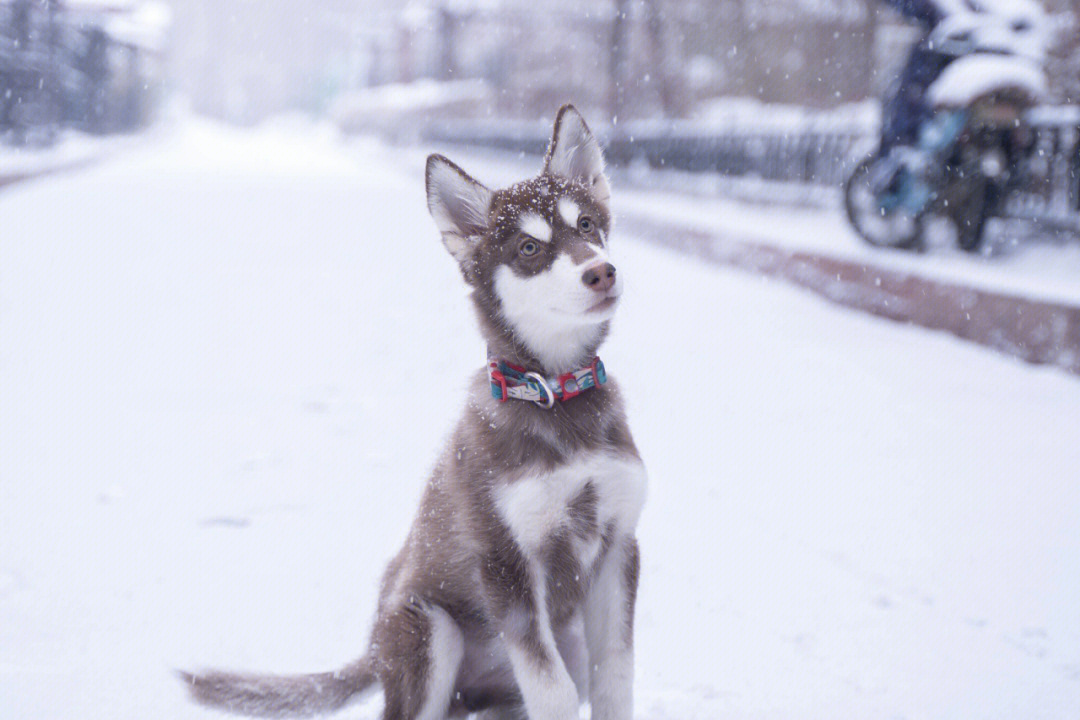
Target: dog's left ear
pixel 459 206
pixel 575 153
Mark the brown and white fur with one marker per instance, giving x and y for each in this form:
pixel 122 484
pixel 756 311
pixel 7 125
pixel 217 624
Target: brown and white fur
pixel 514 593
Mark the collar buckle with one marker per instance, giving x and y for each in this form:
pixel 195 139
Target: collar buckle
pixel 539 379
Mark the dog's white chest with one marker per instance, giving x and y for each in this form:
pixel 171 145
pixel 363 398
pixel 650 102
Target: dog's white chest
pixel 536 507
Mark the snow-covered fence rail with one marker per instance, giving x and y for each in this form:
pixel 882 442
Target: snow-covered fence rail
pixel 807 156
pixel 820 156
pixel 527 137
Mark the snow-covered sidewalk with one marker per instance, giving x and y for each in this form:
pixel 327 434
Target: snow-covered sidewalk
pixel 217 357
pixel 72 150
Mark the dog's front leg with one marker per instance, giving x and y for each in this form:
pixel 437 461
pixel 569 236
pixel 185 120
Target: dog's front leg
pixel 609 632
pixel 517 592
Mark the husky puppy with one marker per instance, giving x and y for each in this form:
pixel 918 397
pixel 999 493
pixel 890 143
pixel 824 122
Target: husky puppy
pixel 514 593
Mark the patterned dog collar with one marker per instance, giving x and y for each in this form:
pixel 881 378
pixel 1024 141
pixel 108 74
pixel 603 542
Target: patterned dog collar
pixel 511 381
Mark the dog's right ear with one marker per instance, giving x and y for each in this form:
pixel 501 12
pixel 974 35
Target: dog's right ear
pixel 574 153
pixel 459 205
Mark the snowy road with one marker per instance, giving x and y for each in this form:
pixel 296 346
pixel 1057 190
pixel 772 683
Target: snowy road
pixel 228 360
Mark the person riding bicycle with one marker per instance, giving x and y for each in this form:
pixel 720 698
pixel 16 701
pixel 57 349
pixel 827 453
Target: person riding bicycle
pixel 949 142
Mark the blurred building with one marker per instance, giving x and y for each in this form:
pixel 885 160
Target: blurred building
pixel 789 51
pixel 242 60
pixel 94 65
pixel 642 58
pixel 245 59
pixel 1065 58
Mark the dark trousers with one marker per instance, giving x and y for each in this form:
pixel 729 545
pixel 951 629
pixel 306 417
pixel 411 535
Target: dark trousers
pixel 906 109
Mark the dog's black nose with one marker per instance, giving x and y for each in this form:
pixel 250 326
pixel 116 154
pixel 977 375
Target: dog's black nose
pixel 599 277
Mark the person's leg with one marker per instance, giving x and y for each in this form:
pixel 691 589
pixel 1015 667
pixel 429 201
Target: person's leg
pixel 905 109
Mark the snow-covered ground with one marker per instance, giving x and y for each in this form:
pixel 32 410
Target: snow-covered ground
pixel 227 361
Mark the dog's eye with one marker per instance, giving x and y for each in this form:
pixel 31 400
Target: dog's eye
pixel 529 248
pixel 585 224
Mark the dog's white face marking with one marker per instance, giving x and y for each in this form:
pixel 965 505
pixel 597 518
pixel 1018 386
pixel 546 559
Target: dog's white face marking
pixel 569 211
pixel 592 256
pixel 551 312
pixel 535 227
pixel 536 506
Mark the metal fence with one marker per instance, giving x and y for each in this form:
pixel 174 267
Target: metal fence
pixel 810 156
pixel 807 157
pixel 1051 169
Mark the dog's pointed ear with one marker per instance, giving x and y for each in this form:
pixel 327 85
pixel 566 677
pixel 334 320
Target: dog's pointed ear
pixel 458 204
pixel 574 153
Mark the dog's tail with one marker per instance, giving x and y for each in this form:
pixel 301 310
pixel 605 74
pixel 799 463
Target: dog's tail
pixel 276 696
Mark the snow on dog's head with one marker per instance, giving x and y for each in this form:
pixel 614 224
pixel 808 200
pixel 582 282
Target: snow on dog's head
pixel 536 253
